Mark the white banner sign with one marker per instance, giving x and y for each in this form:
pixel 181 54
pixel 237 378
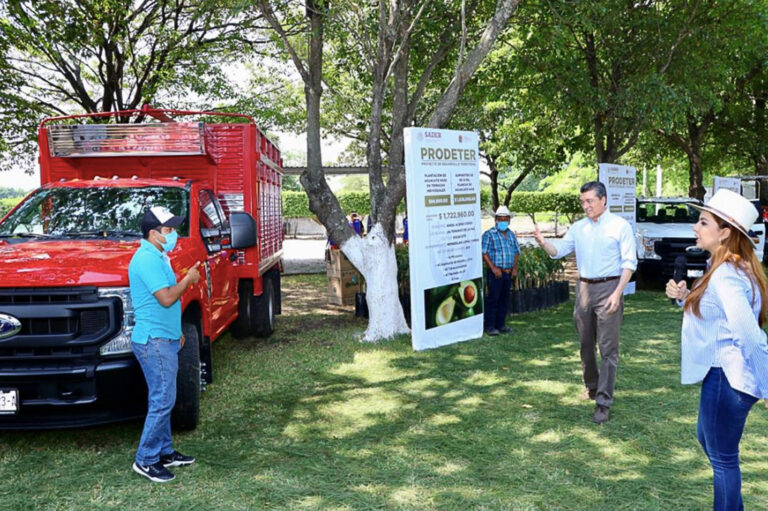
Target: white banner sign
pixel 729 183
pixel 443 193
pixel 621 186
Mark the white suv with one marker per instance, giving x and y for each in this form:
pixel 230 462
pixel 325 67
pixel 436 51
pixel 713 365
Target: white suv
pixel 665 231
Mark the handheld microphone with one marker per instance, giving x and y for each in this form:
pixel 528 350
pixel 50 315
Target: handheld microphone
pixel 679 273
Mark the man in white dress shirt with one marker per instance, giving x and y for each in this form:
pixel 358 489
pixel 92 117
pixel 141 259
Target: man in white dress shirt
pixel 606 258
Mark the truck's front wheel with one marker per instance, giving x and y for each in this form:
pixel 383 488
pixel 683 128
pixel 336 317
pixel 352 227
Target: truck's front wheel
pixel 186 412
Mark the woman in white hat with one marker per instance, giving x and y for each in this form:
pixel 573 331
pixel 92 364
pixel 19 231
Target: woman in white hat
pixel 723 343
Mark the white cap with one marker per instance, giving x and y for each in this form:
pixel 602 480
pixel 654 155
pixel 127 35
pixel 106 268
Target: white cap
pixel 503 211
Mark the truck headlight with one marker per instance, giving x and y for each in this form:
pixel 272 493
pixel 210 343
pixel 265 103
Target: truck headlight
pixel 647 248
pixel 121 343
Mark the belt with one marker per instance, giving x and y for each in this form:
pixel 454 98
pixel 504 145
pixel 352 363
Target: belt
pixel 597 281
pixel 506 270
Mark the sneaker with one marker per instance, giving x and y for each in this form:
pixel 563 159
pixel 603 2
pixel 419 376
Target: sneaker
pixel 505 330
pixel 155 472
pixel 176 459
pixel 601 414
pixel 491 331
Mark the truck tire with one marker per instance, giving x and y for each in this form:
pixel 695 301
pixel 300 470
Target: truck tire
pixel 245 307
pixel 264 310
pixel 641 281
pixel 274 275
pixel 186 412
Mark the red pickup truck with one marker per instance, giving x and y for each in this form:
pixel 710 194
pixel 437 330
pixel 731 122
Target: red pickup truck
pixel 65 310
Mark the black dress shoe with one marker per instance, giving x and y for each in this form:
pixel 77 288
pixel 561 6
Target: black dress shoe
pixel 505 330
pixel 601 414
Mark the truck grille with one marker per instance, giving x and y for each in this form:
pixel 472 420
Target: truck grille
pixel 24 296
pixel 58 322
pixel 670 248
pixel 88 322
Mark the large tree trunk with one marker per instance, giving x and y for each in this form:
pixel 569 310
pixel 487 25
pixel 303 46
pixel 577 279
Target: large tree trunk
pixel 691 144
pixel 374 257
pixel 695 179
pixel 697 132
pixel 515 184
pixel 494 183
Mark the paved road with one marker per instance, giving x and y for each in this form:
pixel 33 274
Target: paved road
pixel 304 255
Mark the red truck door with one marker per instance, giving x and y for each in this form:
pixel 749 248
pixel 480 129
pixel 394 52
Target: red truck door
pixel 220 272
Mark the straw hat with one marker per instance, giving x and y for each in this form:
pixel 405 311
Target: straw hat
pixel 503 211
pixel 732 208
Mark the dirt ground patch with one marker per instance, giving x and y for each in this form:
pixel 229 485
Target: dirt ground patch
pixel 305 294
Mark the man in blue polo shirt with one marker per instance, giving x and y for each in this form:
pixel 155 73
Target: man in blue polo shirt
pixel 157 338
pixel 500 253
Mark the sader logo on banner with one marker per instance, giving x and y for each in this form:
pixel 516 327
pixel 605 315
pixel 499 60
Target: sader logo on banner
pixel 443 192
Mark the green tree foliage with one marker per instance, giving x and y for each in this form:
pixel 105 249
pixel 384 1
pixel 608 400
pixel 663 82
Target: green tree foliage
pixel 713 68
pixel 61 57
pixel 12 192
pixel 520 135
pixel 353 183
pixel 600 64
pixel 7 203
pixel 291 184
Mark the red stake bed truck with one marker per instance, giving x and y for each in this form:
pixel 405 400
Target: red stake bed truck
pixel 65 309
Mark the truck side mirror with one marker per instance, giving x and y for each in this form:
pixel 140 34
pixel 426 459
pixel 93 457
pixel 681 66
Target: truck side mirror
pixel 243 230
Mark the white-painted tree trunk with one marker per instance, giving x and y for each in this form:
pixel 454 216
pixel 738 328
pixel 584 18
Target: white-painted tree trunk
pixel 374 257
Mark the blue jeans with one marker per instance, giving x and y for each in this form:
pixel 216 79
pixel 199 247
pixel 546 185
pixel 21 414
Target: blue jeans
pixel 159 360
pixel 722 414
pixel 497 299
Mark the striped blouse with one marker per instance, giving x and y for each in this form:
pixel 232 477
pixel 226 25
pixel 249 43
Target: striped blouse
pixel 727 335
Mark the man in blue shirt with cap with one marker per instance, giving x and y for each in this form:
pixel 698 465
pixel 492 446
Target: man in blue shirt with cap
pixel 157 338
pixel 500 253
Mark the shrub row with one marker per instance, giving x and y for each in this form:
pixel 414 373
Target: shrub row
pixel 538 202
pixel 7 204
pixel 535 202
pixel 296 204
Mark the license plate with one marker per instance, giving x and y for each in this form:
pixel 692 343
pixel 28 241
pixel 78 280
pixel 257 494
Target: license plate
pixel 695 273
pixel 9 401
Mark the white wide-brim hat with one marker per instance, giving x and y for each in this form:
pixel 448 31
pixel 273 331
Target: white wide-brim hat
pixel 734 209
pixel 503 211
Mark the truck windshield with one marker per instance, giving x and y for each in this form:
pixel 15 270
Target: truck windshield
pixel 666 213
pixel 97 211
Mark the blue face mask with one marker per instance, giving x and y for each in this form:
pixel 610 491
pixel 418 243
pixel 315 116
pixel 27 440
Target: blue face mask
pixel 170 241
pixel 502 226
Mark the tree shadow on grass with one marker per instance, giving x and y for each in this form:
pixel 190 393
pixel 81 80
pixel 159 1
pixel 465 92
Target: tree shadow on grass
pixel 490 424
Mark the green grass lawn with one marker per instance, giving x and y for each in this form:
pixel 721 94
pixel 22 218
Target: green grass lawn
pixel 312 419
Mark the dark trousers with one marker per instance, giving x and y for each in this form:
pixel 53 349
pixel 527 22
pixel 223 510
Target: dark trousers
pixel 497 299
pixel 597 327
pixel 722 414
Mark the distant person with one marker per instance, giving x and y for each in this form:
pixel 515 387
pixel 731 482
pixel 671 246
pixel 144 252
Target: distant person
pixel 157 338
pixel 500 253
pixel 723 342
pixel 605 256
pixel 356 223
